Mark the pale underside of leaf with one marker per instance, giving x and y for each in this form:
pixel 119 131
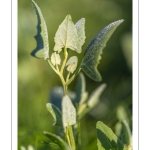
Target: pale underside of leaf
pixel 80 26
pixel 72 64
pixel 55 59
pixel 66 35
pixel 68 112
pixel 93 51
pixel 42 48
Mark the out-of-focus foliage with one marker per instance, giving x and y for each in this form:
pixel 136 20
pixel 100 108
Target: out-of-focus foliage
pixel 36 79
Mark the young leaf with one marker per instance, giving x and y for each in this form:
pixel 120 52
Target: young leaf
pixel 106 139
pixel 80 26
pixel 55 59
pixel 72 64
pixel 93 51
pixel 58 140
pixel 42 48
pixel 66 35
pixel 126 133
pixel 68 112
pixel 57 94
pixel 55 112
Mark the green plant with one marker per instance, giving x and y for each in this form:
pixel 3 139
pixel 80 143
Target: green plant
pixel 70 36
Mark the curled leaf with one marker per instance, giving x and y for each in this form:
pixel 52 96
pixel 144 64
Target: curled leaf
pixel 94 49
pixel 42 48
pixel 72 64
pixel 55 112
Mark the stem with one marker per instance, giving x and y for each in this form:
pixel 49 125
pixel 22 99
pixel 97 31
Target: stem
pixel 74 75
pixel 73 146
pixel 65 60
pixel 50 64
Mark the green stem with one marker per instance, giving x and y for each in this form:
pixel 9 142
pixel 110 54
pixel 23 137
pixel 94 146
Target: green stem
pixel 65 60
pixel 71 136
pixel 50 64
pixel 74 75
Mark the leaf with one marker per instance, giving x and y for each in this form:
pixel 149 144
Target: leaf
pixel 94 49
pixel 95 96
pixel 55 112
pixel 58 140
pixel 72 64
pixel 66 35
pixel 106 139
pixel 80 26
pixel 42 48
pixel 68 112
pixel 81 95
pixel 126 133
pixel 55 59
pixel 57 94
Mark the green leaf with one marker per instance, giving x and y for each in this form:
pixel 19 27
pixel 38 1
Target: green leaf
pixel 66 35
pixel 68 112
pixel 42 48
pixel 81 95
pixel 106 139
pixel 58 140
pixel 80 26
pixel 72 64
pixel 93 51
pixel 55 112
pixel 55 59
pixel 126 133
pixel 95 96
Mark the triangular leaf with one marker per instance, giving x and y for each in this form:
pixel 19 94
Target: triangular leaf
pixel 106 139
pixel 80 26
pixel 126 133
pixel 93 51
pixel 58 140
pixel 68 112
pixel 66 35
pixel 55 112
pixel 42 49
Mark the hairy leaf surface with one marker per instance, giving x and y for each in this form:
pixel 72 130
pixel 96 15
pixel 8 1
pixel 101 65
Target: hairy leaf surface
pixel 68 112
pixel 66 35
pixel 80 26
pixel 42 48
pixel 93 51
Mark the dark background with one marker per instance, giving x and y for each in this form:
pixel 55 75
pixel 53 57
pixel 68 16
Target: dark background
pixel 36 79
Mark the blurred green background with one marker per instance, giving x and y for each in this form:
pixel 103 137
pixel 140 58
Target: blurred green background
pixel 36 79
